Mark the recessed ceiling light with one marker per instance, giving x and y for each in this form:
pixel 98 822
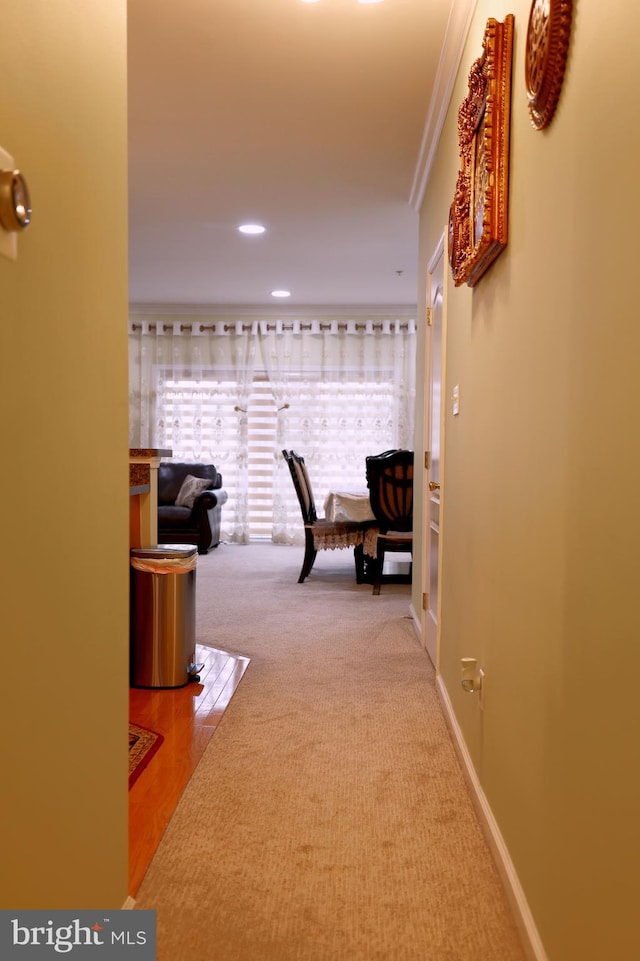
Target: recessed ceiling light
pixel 280 293
pixel 251 229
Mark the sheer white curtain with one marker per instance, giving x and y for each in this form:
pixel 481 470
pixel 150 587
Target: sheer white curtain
pixel 342 389
pixel 189 388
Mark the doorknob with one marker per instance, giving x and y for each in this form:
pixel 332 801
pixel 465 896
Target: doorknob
pixel 433 486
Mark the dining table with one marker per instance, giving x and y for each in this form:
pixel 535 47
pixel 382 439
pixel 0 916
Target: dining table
pixel 354 506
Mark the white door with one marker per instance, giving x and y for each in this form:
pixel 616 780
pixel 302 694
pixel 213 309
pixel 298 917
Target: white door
pixel 433 433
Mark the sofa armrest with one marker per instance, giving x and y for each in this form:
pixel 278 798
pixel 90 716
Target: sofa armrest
pixel 209 499
pixel 205 517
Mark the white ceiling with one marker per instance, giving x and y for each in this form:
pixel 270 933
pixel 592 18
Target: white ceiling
pixel 306 117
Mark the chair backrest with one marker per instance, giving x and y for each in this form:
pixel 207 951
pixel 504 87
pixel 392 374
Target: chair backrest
pixel 390 482
pixel 302 485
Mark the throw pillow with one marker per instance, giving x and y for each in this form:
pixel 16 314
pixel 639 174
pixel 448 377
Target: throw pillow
pixel 191 487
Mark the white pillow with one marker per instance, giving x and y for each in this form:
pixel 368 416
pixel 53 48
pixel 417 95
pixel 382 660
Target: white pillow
pixel 191 487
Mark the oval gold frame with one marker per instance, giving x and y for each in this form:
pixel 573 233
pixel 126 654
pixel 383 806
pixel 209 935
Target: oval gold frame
pixel 548 34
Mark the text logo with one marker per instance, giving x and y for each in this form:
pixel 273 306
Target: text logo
pixel 81 935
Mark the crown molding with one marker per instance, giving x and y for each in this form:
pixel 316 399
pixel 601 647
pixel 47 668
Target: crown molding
pixel 258 312
pixel 455 38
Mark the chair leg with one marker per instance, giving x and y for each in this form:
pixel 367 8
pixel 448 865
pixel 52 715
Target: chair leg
pixel 309 556
pixel 358 553
pixel 377 579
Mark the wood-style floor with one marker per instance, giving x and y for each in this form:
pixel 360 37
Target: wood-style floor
pixel 187 718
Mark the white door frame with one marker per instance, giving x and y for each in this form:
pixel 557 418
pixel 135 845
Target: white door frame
pixel 435 285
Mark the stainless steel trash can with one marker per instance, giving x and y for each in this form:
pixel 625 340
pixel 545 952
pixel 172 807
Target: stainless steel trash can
pixel 162 634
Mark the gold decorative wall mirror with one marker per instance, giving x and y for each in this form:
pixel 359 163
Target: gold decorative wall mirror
pixel 478 214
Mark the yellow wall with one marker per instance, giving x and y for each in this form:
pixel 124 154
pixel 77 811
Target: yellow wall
pixel 63 388
pixel 541 517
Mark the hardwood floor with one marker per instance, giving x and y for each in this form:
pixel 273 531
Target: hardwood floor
pixel 187 717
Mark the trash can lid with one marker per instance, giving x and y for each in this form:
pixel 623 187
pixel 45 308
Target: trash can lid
pixel 165 550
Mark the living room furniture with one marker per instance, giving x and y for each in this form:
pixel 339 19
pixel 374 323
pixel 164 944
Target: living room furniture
pixel 320 533
pixel 390 482
pixel 188 514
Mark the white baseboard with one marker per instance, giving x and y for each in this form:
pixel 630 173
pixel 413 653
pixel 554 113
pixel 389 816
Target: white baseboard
pixel 129 904
pixel 416 622
pixel 528 931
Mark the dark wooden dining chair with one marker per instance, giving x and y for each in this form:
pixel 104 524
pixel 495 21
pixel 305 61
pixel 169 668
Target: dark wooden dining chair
pixel 319 533
pixel 390 482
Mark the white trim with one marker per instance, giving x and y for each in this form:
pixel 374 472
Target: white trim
pixel 455 38
pixel 416 623
pixel 525 923
pixel 258 311
pixel 129 904
pixel 437 254
pixel 437 262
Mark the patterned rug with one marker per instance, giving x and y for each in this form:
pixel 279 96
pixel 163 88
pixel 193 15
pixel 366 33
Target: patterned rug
pixel 143 744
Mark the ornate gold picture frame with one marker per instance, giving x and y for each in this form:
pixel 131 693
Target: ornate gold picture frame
pixel 478 214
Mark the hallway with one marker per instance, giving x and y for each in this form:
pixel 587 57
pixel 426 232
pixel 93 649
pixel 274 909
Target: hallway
pixel 328 818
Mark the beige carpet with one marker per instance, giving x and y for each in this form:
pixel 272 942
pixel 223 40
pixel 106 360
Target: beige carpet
pixel 328 819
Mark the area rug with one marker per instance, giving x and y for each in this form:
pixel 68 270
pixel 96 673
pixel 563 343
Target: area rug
pixel 143 744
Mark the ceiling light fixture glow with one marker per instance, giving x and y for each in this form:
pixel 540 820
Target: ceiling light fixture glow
pixel 280 293
pixel 251 229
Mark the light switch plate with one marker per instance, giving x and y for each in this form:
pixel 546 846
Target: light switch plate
pixel 8 239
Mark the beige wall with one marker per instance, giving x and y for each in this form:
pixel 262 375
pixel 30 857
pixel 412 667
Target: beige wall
pixel 63 383
pixel 541 519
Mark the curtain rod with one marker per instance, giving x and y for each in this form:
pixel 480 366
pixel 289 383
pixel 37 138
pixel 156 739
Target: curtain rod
pixel 377 325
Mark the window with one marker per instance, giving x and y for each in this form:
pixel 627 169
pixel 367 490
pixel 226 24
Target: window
pixel 198 420
pixel 235 393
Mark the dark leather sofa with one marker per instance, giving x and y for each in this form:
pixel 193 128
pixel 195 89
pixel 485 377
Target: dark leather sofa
pixel 200 524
